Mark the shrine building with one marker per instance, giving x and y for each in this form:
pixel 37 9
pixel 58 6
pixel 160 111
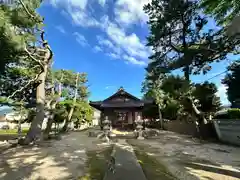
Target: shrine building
pixel 121 108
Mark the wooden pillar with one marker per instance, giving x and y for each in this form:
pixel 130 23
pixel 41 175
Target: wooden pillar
pixel 130 118
pixel 135 116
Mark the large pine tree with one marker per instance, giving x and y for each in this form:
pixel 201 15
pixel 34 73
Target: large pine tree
pixel 180 39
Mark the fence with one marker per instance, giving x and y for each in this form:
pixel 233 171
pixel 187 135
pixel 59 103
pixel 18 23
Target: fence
pixel 228 130
pixel 189 128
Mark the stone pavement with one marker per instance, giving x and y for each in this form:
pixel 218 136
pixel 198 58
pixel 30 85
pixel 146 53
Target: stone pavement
pixel 126 164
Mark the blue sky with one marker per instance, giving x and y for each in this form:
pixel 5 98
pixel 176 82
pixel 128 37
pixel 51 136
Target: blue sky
pixel 106 39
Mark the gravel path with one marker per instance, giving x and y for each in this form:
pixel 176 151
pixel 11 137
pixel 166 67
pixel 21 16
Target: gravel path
pixel 55 160
pixel 189 159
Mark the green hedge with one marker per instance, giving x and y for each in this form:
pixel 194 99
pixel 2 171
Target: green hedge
pixel 234 113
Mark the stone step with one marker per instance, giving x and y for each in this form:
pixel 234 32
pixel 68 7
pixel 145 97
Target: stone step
pixel 126 165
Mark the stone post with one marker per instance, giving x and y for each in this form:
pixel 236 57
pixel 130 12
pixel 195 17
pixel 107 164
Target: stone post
pixel 139 127
pixel 106 127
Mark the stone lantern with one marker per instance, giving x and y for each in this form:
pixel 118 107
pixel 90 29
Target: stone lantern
pixel 139 127
pixel 106 127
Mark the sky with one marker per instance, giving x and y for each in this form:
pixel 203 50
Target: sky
pixel 106 39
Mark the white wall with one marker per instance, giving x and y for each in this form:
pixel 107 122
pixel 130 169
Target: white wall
pixel 96 117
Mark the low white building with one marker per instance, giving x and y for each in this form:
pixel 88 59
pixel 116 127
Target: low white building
pixel 96 117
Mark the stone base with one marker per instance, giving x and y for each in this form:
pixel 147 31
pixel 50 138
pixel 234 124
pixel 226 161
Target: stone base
pixel 140 137
pixel 92 134
pixel 112 135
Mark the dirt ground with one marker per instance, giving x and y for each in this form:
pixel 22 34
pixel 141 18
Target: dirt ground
pixel 188 158
pixel 54 160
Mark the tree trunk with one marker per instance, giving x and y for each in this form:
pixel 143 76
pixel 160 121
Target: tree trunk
pixel 53 107
pixel 160 116
pixel 49 122
pixel 46 134
pixel 64 129
pixel 200 117
pixel 19 125
pixel 19 130
pixel 34 132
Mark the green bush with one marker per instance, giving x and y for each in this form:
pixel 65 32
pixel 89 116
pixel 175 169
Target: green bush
pixel 234 113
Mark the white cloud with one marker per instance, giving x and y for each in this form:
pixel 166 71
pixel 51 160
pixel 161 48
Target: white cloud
pixel 97 49
pixel 118 41
pixel 130 11
pixel 102 2
pixel 104 42
pixel 113 55
pixel 77 10
pixel 61 29
pixel 134 61
pixel 81 39
pixel 129 43
pixel 81 18
pixel 69 3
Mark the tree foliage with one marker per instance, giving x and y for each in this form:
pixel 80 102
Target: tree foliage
pixel 231 81
pixel 223 10
pixel 175 105
pixel 208 101
pixel 26 73
pixel 180 40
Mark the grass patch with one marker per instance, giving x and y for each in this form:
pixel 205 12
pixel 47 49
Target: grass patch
pixel 97 164
pixel 152 168
pixel 13 131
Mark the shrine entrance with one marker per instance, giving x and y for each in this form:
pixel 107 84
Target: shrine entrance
pixel 122 109
pixel 122 120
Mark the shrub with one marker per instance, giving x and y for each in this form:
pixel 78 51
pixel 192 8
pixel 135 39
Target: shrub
pixel 234 113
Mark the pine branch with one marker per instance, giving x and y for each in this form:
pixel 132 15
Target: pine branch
pixel 48 59
pixel 28 12
pixel 33 58
pixel 26 85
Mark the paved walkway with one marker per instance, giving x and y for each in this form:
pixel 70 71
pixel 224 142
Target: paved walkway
pixel 126 164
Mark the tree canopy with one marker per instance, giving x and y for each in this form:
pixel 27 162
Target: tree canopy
pixel 27 79
pixel 231 81
pixel 180 40
pixel 224 11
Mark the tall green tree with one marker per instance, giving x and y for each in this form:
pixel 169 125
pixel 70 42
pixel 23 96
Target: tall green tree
pixel 78 93
pixel 36 55
pixel 15 30
pixel 231 81
pixel 208 101
pixel 224 11
pixel 180 40
pixel 55 80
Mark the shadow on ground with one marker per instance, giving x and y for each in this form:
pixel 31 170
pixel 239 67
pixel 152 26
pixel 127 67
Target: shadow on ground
pixel 188 158
pixel 58 160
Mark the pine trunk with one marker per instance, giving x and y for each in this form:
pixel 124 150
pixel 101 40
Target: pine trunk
pixel 160 117
pixel 65 127
pixel 53 107
pixel 46 134
pixel 34 132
